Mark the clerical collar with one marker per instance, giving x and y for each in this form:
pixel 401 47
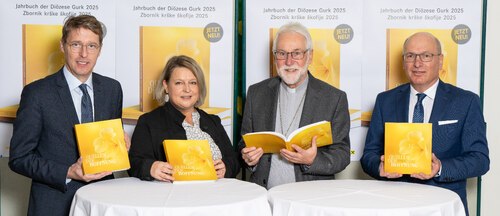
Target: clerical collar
pixel 301 87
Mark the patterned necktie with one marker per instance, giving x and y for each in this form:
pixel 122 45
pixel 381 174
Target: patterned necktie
pixel 87 115
pixel 418 112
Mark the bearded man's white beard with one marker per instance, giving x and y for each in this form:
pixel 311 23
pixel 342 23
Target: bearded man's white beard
pixel 292 79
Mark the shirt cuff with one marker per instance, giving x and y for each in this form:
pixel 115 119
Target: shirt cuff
pixel 439 172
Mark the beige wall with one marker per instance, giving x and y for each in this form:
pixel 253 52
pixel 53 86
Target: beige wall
pixel 14 189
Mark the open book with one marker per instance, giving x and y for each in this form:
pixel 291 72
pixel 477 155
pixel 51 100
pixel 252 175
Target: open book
pixel 408 148
pixel 191 159
pixel 272 142
pixel 102 146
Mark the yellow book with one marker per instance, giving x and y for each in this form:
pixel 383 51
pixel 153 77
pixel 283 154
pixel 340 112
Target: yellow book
pixel 102 146
pixel 273 142
pixel 408 148
pixel 191 159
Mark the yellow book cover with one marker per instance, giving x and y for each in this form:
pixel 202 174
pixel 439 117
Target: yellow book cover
pixel 408 148
pixel 191 159
pixel 102 146
pixel 272 142
pixel 41 51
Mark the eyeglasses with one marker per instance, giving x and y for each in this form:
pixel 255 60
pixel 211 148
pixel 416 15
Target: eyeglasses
pixel 77 47
pixel 296 55
pixel 425 57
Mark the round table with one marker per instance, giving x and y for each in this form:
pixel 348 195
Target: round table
pixel 363 198
pixel 131 196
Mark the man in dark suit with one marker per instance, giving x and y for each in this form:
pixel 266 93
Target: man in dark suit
pixel 459 145
pixel 43 145
pixel 287 102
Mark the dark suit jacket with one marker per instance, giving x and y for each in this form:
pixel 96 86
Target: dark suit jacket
pixel 165 122
pixel 43 144
pixel 322 102
pixel 461 147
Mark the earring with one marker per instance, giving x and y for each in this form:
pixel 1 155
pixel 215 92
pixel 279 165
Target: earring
pixel 166 96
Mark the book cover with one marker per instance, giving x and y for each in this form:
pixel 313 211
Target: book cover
pixel 408 148
pixel 41 56
pixel 41 51
pixel 102 146
pixel 272 142
pixel 191 159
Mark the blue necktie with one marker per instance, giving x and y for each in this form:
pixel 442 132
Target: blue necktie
pixel 87 115
pixel 418 112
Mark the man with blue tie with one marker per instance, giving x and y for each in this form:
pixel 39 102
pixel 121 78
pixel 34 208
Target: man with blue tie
pixel 459 145
pixel 43 145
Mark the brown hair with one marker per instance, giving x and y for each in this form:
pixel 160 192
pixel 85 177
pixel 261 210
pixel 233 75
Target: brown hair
pixel 83 21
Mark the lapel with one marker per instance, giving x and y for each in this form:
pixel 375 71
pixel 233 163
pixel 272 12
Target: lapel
pixel 402 103
pixel 270 111
pixel 441 101
pixel 99 98
pixel 66 99
pixel 311 101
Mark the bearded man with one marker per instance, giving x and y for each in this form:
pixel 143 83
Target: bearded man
pixel 289 101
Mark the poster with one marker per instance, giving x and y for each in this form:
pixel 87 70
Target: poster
pixel 387 24
pixel 337 34
pixel 152 31
pixel 140 37
pixel 31 48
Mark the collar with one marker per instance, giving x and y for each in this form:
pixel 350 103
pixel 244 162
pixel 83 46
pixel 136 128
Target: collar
pixel 430 92
pixel 73 82
pixel 299 88
pixel 176 115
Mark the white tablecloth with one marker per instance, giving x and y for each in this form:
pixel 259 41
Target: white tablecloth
pixel 131 196
pixel 363 198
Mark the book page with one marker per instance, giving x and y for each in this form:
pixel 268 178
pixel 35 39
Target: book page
pixel 270 142
pixel 303 136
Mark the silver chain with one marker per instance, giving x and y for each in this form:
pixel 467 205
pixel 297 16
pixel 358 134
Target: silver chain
pixel 294 116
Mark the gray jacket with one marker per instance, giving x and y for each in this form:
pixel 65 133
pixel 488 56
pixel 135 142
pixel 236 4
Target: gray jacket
pixel 322 102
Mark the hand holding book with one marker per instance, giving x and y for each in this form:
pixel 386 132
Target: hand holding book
pixel 220 168
pixel 408 148
pixel 301 156
pixel 191 160
pixel 102 146
pixel 162 171
pixel 272 142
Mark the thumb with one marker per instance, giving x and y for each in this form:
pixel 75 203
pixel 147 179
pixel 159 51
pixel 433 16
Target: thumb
pixel 313 142
pixel 297 148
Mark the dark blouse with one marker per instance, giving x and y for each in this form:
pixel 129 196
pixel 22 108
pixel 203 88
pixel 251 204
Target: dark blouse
pixel 165 122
